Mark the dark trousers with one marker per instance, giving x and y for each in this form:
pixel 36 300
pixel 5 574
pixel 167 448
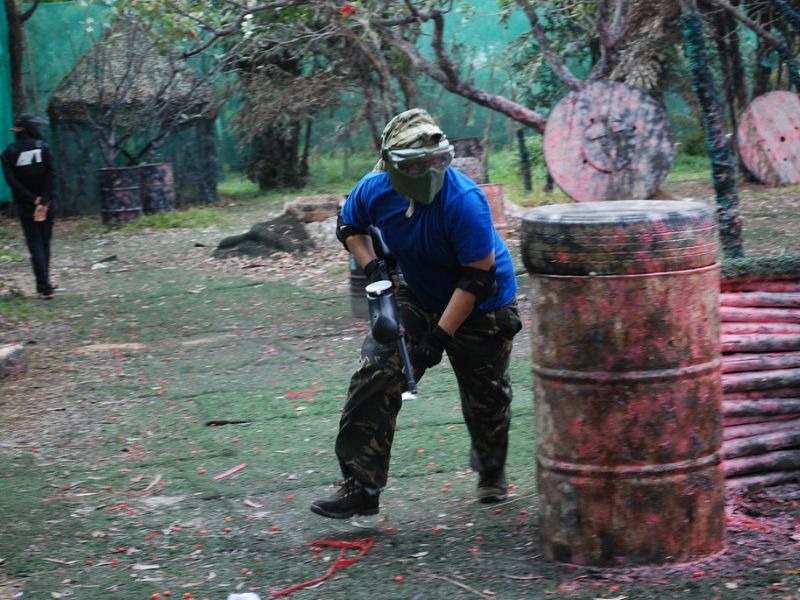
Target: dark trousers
pixel 479 354
pixel 37 237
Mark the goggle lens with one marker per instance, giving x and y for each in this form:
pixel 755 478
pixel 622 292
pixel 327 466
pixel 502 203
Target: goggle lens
pixel 419 165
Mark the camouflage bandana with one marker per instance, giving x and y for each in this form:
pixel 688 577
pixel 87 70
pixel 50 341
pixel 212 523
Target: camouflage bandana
pixel 413 128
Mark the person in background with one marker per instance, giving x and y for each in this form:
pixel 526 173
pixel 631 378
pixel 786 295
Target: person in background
pixel 29 169
pixel 457 296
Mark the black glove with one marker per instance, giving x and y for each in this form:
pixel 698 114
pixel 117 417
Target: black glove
pixel 374 271
pixel 428 351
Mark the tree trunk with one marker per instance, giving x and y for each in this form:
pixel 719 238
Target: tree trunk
pixel 19 100
pixel 734 82
pixel 274 160
pixel 716 141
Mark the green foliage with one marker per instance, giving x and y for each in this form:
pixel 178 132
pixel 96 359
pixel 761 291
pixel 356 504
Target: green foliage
pixel 568 33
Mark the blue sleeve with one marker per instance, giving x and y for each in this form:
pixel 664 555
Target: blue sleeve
pixel 354 211
pixel 472 231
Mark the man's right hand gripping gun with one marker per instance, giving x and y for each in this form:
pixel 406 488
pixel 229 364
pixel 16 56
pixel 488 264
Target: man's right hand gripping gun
pixel 384 315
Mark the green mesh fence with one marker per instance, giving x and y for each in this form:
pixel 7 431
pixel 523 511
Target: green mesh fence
pixel 6 112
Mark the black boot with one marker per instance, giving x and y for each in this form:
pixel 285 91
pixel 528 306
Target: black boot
pixel 492 487
pixel 351 499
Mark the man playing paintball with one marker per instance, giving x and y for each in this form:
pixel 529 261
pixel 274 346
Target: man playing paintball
pixel 458 296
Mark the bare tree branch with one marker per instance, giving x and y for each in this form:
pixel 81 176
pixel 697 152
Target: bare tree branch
pixel 29 13
pixel 611 31
pixel 780 45
pixel 553 59
pixel 511 109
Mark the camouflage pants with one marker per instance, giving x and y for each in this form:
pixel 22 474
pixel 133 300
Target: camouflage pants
pixel 479 354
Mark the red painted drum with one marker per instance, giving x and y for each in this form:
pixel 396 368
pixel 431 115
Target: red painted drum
pixel 626 362
pixel 494 194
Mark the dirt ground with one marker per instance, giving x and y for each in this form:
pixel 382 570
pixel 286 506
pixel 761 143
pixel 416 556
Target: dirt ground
pixel 157 367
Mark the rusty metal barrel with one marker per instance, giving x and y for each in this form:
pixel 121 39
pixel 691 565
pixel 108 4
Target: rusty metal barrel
pixel 120 194
pixel 626 363
pixel 158 187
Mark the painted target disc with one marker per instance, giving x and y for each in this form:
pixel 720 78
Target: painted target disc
pixel 768 136
pixel 608 141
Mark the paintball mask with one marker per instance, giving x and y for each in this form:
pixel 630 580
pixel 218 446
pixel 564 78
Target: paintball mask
pixel 418 173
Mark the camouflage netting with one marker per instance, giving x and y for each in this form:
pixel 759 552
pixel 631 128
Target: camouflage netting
pixel 141 96
pixel 284 233
pixel 761 266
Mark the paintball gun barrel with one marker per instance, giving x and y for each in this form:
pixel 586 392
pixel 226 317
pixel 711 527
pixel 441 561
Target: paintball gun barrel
pixel 384 315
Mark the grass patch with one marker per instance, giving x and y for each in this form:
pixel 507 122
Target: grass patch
pixel 238 186
pixel 15 308
pixel 688 166
pixel 178 219
pixel 8 256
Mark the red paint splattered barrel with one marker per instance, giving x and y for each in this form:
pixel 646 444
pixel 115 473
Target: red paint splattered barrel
pixel 494 194
pixel 626 362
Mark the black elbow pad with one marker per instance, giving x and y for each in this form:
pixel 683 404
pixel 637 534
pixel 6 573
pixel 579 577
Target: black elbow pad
pixel 481 284
pixel 345 231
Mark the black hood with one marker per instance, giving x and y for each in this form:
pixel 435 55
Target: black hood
pixel 29 124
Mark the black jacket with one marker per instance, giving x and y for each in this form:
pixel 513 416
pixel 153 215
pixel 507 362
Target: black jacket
pixel 30 172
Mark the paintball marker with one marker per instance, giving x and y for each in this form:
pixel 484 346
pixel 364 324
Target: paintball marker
pixel 384 315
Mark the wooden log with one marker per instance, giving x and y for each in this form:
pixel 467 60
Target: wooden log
pixel 756 482
pixel 793 392
pixel 778 440
pixel 756 285
pixel 775 342
pixel 740 328
pixel 782 460
pixel 759 315
pixel 733 363
pixel 733 421
pixel 762 299
pixel 766 407
pixel 751 429
pixel 761 380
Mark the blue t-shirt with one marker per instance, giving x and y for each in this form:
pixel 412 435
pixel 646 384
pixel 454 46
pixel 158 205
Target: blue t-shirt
pixel 431 245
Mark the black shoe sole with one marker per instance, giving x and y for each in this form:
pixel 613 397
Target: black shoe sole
pixel 343 515
pixel 492 499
